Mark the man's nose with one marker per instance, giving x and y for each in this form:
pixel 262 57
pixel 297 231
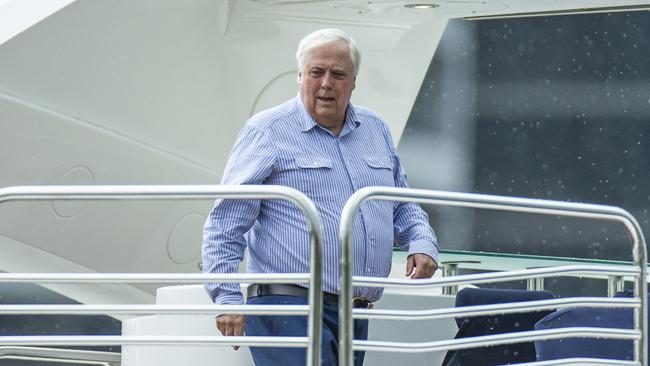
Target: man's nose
pixel 327 81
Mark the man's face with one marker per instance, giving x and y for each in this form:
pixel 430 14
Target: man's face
pixel 326 83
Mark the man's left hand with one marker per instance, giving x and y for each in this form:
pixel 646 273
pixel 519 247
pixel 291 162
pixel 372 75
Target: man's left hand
pixel 420 265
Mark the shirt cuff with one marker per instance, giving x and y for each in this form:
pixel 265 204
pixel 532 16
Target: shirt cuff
pixel 424 247
pixel 230 299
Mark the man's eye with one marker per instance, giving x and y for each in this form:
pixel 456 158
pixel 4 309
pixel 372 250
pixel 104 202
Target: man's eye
pixel 316 73
pixel 339 75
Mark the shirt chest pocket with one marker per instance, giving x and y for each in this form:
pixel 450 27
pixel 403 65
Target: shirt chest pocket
pixel 313 162
pixel 309 174
pixel 379 169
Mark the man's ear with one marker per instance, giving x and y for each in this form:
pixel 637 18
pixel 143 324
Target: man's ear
pixel 298 77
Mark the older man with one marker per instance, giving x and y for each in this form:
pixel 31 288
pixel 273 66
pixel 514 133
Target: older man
pixel 327 148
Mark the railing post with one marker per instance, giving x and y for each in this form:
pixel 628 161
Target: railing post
pixel 615 284
pixel 535 284
pixel 450 269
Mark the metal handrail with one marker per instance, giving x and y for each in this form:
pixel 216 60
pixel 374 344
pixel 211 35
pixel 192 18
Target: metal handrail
pixel 153 277
pixel 507 308
pixel 581 361
pixel 571 270
pixel 121 340
pixel 465 311
pixel 154 309
pixel 499 339
pixel 174 192
pixel 55 360
pixel 501 203
pixel 61 355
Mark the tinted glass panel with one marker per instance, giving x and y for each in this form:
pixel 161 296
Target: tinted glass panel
pixel 548 107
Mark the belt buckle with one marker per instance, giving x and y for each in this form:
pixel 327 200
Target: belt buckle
pixel 362 303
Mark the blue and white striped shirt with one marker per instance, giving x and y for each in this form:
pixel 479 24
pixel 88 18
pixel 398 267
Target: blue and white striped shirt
pixel 285 146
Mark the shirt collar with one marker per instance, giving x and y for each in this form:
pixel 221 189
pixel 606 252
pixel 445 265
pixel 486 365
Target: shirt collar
pixel 350 124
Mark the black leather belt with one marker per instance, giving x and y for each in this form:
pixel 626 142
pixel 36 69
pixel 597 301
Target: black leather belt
pixel 299 291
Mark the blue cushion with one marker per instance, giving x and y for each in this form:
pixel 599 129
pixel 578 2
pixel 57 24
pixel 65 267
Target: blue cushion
pixel 586 347
pixel 495 324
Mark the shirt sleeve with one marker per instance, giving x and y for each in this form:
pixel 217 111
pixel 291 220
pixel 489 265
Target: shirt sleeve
pixel 410 223
pixel 251 161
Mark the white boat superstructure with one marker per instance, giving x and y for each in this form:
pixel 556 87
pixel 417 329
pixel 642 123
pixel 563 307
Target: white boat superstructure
pixel 154 93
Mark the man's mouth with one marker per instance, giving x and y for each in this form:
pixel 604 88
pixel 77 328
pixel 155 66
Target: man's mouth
pixel 325 99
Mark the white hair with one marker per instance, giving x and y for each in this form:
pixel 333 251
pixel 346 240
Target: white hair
pixel 322 37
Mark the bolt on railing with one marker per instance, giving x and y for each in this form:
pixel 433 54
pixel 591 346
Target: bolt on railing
pixel 515 204
pixel 176 192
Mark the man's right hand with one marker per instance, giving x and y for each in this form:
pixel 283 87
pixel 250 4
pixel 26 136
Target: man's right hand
pixel 231 325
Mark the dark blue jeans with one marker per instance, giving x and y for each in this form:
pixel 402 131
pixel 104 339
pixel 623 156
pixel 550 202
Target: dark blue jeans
pixel 296 326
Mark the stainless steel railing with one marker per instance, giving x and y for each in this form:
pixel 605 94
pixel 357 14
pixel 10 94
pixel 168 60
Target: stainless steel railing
pixel 314 277
pixel 580 362
pixel 58 355
pixel 599 212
